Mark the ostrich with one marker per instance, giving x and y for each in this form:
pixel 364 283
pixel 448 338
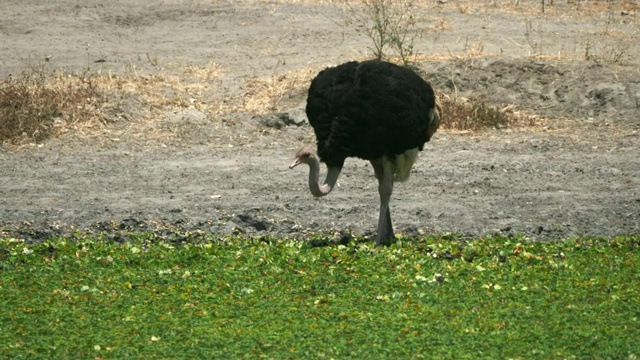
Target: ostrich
pixel 373 110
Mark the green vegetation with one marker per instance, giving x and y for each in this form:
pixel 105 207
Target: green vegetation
pixel 253 298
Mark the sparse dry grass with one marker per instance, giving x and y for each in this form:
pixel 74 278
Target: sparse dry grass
pixel 274 93
pixel 177 86
pixel 605 30
pixel 557 7
pixel 465 115
pixel 608 41
pixel 36 105
pixel 39 104
pixel 610 26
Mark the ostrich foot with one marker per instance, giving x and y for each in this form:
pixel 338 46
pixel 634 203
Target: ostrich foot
pixel 385 240
pixel 385 235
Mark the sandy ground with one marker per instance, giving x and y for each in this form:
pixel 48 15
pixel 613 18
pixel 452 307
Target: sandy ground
pixel 220 165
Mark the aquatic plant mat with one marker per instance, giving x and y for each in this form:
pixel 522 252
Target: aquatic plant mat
pixel 234 298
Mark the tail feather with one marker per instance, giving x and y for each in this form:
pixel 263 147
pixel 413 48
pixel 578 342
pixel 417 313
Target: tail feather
pixel 402 164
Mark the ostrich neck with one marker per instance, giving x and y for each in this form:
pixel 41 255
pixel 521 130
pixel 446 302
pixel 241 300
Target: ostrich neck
pixel 323 189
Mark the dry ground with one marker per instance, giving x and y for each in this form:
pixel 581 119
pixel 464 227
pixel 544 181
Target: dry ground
pixel 188 137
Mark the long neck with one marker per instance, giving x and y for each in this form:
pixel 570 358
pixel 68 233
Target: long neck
pixel 323 189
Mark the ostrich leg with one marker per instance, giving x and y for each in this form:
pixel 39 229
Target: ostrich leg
pixel 384 174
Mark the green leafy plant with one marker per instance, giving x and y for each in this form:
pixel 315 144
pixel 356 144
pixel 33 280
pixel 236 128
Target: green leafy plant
pixel 443 297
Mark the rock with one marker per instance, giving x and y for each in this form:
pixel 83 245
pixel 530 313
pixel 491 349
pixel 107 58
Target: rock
pixel 259 225
pixel 270 121
pixel 297 117
pixel 606 92
pixel 231 228
pixel 280 120
pixel 181 116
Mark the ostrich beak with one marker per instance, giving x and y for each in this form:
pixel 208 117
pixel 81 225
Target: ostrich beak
pixel 295 163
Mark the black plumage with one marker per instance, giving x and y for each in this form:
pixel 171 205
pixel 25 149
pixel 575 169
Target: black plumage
pixel 369 109
pixel 373 110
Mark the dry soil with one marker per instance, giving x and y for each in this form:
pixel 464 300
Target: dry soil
pixel 219 164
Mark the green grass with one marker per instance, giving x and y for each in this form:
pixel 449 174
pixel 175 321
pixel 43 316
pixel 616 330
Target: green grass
pixel 280 299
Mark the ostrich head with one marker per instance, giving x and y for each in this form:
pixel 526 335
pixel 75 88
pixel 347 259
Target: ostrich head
pixel 307 156
pixel 303 156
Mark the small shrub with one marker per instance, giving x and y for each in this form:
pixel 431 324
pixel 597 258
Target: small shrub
pixel 388 23
pixel 32 103
pixel 475 115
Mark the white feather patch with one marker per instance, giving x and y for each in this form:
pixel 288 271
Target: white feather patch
pixel 402 164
